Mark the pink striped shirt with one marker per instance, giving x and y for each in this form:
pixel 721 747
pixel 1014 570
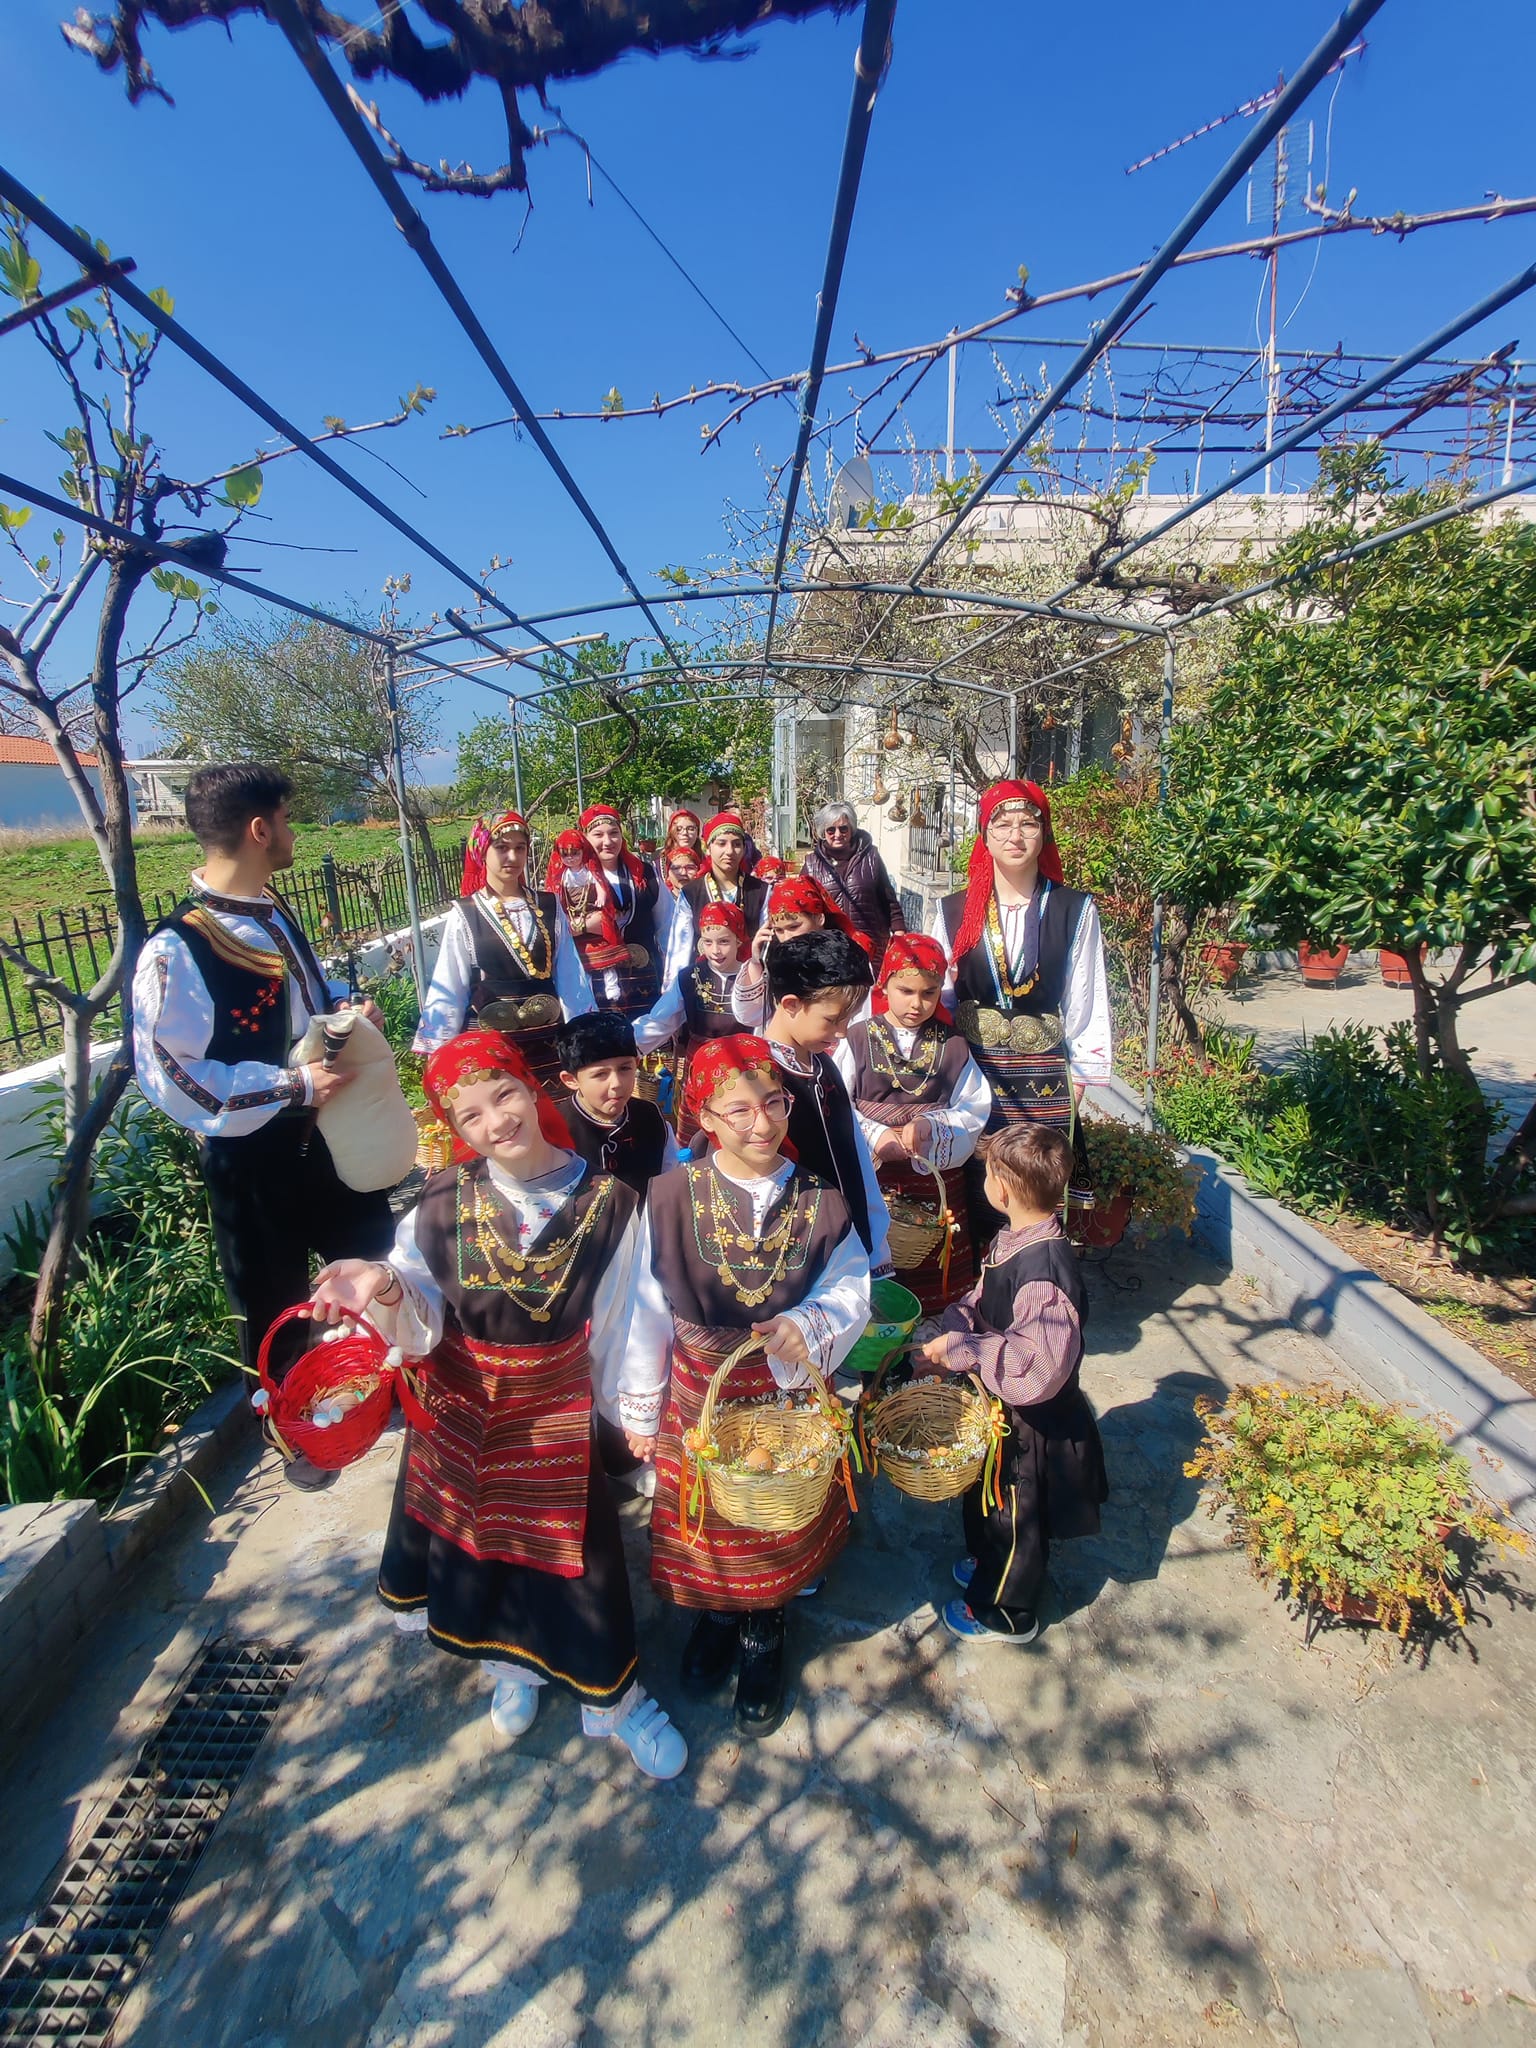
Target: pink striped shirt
pixel 1035 1356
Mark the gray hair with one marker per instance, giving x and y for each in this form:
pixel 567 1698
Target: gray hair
pixel 830 814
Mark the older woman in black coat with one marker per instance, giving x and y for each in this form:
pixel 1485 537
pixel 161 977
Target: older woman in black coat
pixel 844 860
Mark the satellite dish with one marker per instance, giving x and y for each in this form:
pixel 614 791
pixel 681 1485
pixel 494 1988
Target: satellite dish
pixel 853 492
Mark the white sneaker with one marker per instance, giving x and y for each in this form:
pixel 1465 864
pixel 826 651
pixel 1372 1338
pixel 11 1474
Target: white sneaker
pixel 513 1708
pixel 641 1481
pixel 656 1746
pixel 411 1621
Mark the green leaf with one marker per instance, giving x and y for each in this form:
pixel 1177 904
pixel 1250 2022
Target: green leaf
pixel 243 487
pixel 163 299
pixel 14 517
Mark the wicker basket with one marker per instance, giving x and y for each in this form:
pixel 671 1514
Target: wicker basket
pixel 361 1366
pixel 775 1502
pixel 434 1142
pixel 928 1415
pixel 913 1244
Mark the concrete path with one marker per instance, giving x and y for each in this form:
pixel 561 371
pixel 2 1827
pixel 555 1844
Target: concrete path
pixel 1272 1001
pixel 1167 1823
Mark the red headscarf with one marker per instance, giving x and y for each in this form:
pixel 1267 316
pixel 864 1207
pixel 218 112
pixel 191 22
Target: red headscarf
pixel 803 896
pixel 910 950
pixel 728 820
pixel 731 916
pixel 630 862
pixel 671 839
pixel 770 868
pixel 720 1060
pixel 575 850
pixel 979 875
pixel 473 1056
pixel 474 854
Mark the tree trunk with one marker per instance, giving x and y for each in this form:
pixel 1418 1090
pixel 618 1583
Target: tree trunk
pixel 1177 927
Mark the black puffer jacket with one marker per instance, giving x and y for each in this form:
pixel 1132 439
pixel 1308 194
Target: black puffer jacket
pixel 860 887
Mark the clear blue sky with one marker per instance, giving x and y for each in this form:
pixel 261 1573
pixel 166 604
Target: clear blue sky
pixel 1001 138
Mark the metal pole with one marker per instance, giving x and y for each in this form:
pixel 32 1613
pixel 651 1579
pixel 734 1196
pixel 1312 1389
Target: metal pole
pixel 949 438
pixel 581 801
pixel 1013 737
pixel 1155 979
pixel 517 759
pixel 1509 426
pixel 413 899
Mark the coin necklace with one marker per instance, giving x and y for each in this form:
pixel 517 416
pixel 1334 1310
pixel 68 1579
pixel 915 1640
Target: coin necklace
pixel 776 1245
pixel 518 947
pixel 549 1270
pixel 885 1055
pixel 704 982
pixel 997 950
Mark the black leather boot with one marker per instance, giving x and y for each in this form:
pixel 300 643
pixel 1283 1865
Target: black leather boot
pixel 710 1653
pixel 760 1681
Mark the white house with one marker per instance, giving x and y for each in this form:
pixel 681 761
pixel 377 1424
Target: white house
pixel 160 790
pixel 33 791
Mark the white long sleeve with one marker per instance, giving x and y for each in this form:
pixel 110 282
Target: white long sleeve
pixel 679 947
pixel 573 984
pixel 446 1010
pixel 750 1006
pixel 874 1195
pixel 1085 1012
pixel 173 1021
pixel 956 1124
pixel 663 1020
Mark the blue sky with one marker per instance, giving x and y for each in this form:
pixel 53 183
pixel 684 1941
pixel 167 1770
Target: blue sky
pixel 1001 138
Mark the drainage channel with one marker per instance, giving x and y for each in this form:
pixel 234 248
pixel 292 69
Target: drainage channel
pixel 67 1976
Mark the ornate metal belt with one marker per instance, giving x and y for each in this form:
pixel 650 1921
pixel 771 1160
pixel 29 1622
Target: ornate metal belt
pixel 516 1014
pixel 991 1029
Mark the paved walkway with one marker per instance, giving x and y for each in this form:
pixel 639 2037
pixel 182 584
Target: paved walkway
pixel 1166 1823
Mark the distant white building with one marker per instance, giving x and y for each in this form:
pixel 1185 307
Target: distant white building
pixel 33 791
pixel 160 790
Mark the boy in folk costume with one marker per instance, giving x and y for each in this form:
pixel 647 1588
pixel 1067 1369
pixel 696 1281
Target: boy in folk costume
pixel 506 955
pixel 1020 1330
pixel 744 1240
pixel 698 1003
pixel 515 1272
pixel 1027 982
pixel 815 984
pixel 918 1095
pixel 797 904
pixel 615 1130
pixel 620 913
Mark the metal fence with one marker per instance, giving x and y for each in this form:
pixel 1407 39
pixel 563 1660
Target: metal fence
pixel 339 903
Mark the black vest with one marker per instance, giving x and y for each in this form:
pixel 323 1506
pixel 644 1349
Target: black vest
pixel 824 1136
pixel 248 988
pixel 632 1150
pixel 637 908
pixel 751 895
pixel 1049 1258
pixel 500 974
pixel 707 1022
pixel 1058 927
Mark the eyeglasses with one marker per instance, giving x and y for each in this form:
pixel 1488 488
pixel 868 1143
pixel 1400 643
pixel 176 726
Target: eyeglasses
pixel 838 830
pixel 743 1116
pixel 1014 827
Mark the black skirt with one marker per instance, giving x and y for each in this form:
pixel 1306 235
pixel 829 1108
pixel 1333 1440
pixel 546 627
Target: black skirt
pixel 579 1632
pixel 1052 1480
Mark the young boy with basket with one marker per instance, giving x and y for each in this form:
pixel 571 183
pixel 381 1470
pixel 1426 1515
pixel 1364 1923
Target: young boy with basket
pixel 921 1101
pixel 1020 1331
pixel 514 1277
pixel 750 1276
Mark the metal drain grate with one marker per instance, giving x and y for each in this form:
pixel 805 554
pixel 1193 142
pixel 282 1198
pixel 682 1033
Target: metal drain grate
pixel 69 1973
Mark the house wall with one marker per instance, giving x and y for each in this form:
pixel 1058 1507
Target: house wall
pixel 32 793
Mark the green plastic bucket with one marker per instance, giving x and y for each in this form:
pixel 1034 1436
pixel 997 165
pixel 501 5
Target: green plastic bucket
pixel 895 1314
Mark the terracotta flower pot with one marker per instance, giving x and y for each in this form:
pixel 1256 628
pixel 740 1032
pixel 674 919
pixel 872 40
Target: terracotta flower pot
pixel 1394 968
pixel 1102 1226
pixel 1321 966
pixel 1223 961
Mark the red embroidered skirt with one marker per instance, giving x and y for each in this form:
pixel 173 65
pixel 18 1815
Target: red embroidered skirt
pixel 928 1281
pixel 503 1474
pixel 730 1569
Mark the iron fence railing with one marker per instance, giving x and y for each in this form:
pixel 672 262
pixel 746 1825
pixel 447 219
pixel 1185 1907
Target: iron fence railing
pixel 339 903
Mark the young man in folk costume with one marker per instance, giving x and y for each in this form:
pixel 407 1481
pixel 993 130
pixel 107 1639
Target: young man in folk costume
pixel 742 1241
pixel 223 991
pixel 697 1004
pixel 1027 981
pixel 623 931
pixel 515 1276
pixel 507 958
pixel 918 1095
pixel 723 879
pixel 797 904
pixel 1020 1330
pixel 815 984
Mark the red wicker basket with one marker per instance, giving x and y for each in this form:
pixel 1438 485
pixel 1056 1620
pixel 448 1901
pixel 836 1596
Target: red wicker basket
pixel 357 1364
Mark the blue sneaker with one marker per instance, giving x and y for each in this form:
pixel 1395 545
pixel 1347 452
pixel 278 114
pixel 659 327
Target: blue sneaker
pixel 962 1571
pixel 960 1621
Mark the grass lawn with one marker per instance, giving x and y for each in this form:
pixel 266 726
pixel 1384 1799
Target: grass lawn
pixel 59 874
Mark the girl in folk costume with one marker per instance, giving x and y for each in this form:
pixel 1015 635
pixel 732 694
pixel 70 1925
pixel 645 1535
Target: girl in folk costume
pixel 634 909
pixel 680 867
pixel 682 836
pixel 770 868
pixel 698 1003
pixel 796 905
pixel 1027 982
pixel 745 1240
pixel 918 1094
pixel 516 1273
pixel 723 879
pixel 507 957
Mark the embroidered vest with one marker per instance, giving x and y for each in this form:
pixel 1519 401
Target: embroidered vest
pixel 706 1005
pixel 248 986
pixel 632 1151
pixel 824 1135
pixel 501 973
pixel 686 1252
pixel 1058 927
pixel 873 1041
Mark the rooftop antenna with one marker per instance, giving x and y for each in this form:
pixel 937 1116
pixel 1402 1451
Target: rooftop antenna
pixel 1279 178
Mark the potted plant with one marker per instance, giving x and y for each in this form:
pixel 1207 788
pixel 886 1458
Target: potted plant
pixel 1138 1177
pixel 1223 958
pixel 1352 1506
pixel 1394 968
pixel 1321 966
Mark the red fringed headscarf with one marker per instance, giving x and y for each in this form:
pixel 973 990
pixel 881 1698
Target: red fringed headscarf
pixel 719 1060
pixel 731 916
pixel 803 896
pixel 770 868
pixel 474 1056
pixel 630 862
pixel 575 850
pixel 918 952
pixel 479 840
pixel 979 875
pixel 671 840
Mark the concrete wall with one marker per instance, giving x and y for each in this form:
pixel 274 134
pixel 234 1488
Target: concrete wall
pixel 35 793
